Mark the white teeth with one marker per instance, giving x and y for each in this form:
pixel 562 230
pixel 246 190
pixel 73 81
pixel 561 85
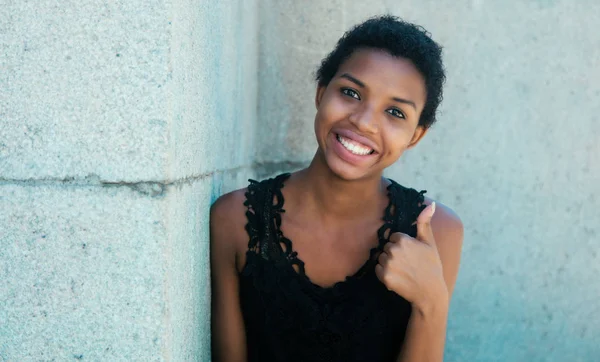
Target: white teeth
pixel 353 148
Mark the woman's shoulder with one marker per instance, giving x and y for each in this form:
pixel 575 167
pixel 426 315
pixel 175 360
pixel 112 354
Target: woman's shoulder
pixel 448 232
pixel 447 226
pixel 228 205
pixel 445 220
pixel 227 223
pixel 230 208
pixel 445 217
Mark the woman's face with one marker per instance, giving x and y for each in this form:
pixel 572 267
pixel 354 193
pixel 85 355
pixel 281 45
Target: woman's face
pixel 369 113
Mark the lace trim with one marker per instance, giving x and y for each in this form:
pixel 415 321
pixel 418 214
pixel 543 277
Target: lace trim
pixel 292 256
pixel 412 204
pixel 276 210
pixel 252 216
pixel 264 202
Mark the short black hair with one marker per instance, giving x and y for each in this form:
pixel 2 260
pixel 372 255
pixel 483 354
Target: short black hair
pixel 400 39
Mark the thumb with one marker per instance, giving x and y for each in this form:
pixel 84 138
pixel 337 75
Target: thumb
pixel 424 231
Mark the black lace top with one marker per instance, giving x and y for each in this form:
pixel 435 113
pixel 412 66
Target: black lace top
pixel 288 318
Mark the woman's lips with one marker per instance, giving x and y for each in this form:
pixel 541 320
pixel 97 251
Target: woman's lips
pixel 347 155
pixel 354 147
pixel 356 138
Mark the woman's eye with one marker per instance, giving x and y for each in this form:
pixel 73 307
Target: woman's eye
pixel 396 113
pixel 351 93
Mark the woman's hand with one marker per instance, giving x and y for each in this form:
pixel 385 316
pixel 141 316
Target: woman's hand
pixel 412 268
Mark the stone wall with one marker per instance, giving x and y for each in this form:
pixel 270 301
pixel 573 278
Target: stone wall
pixel 121 123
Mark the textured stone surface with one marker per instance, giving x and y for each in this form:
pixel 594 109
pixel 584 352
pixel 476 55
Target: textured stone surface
pixel 82 273
pixel 187 276
pixel 121 124
pixel 83 89
pixel 294 37
pixel 214 87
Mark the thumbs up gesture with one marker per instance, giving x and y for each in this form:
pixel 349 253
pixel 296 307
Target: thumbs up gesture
pixel 411 267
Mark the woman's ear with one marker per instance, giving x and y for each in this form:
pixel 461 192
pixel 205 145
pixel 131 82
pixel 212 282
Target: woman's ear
pixel 417 136
pixel 319 95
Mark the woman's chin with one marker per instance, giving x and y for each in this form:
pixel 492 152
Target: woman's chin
pixel 346 171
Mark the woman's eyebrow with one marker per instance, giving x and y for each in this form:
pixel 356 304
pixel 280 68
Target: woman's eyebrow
pixel 353 80
pixel 362 85
pixel 405 101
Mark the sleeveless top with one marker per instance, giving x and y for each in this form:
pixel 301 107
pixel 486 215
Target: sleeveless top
pixel 288 318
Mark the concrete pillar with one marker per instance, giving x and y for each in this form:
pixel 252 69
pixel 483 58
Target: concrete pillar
pixel 121 123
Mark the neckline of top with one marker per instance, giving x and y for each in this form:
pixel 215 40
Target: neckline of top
pixel 292 256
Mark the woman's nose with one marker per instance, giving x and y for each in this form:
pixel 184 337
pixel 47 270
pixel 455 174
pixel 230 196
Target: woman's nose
pixel 365 120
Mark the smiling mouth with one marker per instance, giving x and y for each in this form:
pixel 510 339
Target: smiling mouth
pixel 354 147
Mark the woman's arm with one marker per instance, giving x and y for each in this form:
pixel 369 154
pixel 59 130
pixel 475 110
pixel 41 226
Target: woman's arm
pixel 426 331
pixel 227 325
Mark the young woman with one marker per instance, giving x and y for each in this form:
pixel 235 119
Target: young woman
pixel 358 267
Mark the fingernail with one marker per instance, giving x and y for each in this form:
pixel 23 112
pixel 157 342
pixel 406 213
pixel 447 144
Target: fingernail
pixel 432 208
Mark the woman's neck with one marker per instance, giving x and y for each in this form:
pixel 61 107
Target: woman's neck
pixel 324 193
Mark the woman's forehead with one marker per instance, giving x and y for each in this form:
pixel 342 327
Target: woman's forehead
pixel 380 70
